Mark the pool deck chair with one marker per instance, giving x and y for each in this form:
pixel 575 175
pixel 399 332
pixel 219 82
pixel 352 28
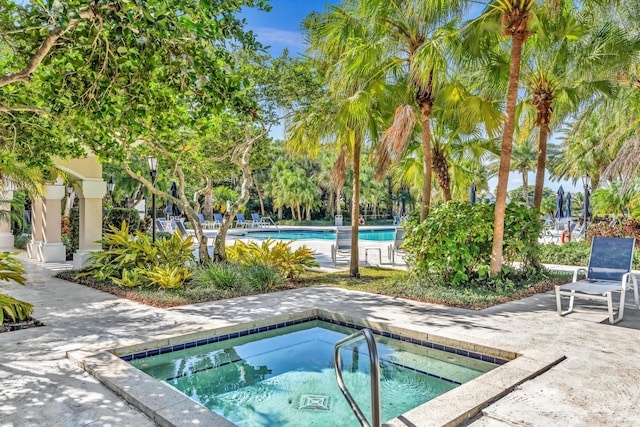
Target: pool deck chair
pixel 207 225
pixel 609 271
pixel 342 245
pixel 241 222
pixel 217 219
pixel 394 248
pixel 263 221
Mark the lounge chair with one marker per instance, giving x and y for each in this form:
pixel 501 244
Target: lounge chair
pixel 179 225
pixel 394 248
pixel 263 221
pixel 217 219
pixel 241 222
pixel 396 220
pixel 342 246
pixel 207 225
pixel 164 226
pixel 609 271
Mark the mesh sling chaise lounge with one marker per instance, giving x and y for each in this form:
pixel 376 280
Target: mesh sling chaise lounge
pixel 609 271
pixel 394 248
pixel 342 246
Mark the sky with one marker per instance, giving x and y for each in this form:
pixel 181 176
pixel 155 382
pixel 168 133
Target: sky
pixel 280 29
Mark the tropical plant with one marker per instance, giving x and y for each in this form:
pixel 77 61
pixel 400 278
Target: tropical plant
pixel 291 263
pixel 130 260
pixel 452 246
pixel 12 270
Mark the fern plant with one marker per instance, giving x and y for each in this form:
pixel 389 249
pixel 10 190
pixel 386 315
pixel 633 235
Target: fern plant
pixel 16 310
pixel 290 263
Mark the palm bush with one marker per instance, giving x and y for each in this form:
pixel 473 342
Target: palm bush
pixel 16 310
pixel 274 253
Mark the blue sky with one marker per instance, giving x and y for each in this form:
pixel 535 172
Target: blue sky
pixel 280 29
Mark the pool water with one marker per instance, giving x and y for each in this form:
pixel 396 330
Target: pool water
pixel 285 377
pixel 377 235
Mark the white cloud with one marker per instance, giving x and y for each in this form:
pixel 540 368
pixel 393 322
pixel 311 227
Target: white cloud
pixel 273 36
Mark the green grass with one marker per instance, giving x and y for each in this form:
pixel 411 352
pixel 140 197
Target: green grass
pixel 393 283
pixel 401 284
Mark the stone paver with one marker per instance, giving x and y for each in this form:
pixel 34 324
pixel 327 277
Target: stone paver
pixel 597 385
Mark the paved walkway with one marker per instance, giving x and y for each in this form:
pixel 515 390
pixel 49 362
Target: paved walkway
pixel 597 385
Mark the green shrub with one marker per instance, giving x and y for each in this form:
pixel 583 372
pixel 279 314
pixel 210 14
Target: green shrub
pixel 574 253
pixel 66 241
pixel 277 254
pixel 264 277
pixel 130 260
pixel 629 228
pixel 21 240
pixel 116 216
pixel 453 245
pixel 219 275
pixel 74 234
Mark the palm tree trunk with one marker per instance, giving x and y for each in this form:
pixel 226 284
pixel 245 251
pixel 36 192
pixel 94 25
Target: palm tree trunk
pixel 293 213
pixel 279 213
pixel 338 204
pixel 525 186
pixel 299 212
pixel 441 170
pixel 355 206
pixel 517 41
pixel 425 100
pixel 542 159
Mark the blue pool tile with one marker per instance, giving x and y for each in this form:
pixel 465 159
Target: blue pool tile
pixel 165 350
pixel 190 344
pixel 438 346
pixel 140 355
pixel 262 329
pixel 244 333
pixel 177 347
pixel 488 359
pixel 475 355
pixel 234 335
pixel 201 342
pixel 153 352
pixel 127 358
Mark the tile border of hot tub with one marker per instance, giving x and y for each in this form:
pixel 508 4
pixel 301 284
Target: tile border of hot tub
pixel 168 407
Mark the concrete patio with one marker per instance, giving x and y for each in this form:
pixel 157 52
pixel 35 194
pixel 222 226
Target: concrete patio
pixel 598 384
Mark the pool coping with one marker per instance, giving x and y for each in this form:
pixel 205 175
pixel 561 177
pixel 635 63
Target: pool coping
pixel 168 407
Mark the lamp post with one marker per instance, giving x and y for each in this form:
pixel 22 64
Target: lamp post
pixel 586 182
pixel 153 170
pixel 110 186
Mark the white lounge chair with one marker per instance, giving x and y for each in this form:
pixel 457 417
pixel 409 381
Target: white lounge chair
pixel 395 248
pixel 342 246
pixel 609 271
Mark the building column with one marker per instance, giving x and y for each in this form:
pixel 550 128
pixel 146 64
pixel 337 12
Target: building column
pixel 90 232
pixel 52 249
pixel 37 232
pixel 6 237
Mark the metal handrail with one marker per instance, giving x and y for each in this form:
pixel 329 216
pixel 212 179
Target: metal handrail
pixel 375 376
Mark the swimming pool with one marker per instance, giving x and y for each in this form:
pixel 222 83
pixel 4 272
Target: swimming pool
pixel 374 234
pixel 282 374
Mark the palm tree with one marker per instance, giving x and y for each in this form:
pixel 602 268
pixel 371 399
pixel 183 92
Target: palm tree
pixel 567 67
pixel 524 161
pixel 413 40
pixel 513 16
pixel 346 117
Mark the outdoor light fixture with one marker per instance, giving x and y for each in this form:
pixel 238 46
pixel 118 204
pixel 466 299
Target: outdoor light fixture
pixel 69 190
pixel 153 170
pixel 586 182
pixel 110 185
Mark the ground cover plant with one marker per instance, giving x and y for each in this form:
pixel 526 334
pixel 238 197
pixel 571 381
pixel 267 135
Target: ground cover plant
pixel 12 309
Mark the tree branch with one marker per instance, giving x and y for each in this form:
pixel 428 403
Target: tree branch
pixel 23 108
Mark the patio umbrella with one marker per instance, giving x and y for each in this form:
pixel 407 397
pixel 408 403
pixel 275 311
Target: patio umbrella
pixel 567 212
pixel 473 193
pixel 175 210
pixel 560 203
pixel 403 211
